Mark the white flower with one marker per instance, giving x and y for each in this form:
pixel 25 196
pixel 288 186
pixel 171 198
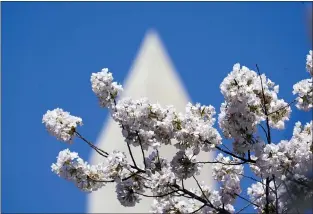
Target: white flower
pixel 184 165
pixel 246 93
pixel 126 192
pixel 61 124
pixel 250 99
pixel 304 91
pixel 257 194
pixel 294 156
pixel 155 163
pixel 194 129
pixel 117 166
pixel 230 175
pixel 71 167
pixel 159 181
pixel 143 123
pixel 171 205
pixel 105 89
pixel 280 113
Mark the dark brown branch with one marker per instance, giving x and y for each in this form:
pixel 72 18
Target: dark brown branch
pixel 246 200
pixel 160 164
pixel 265 109
pixel 275 192
pixel 143 153
pixel 102 152
pixel 111 181
pixel 220 210
pixel 131 154
pixel 153 196
pixel 202 191
pixel 267 196
pixel 226 147
pixel 191 194
pixel 98 150
pixel 264 130
pixel 198 209
pixel 268 140
pixel 204 162
pixel 232 154
pixel 289 104
pixel 245 176
pixel 249 204
pixel 128 146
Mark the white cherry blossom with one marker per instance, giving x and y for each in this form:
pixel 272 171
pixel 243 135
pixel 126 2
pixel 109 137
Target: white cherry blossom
pixel 250 111
pixel 105 89
pixel 61 124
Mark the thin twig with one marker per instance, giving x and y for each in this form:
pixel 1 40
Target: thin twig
pixel 204 162
pixel 268 140
pixel 246 200
pixel 249 204
pixel 192 195
pixel 264 130
pixel 98 150
pixel 152 196
pixel 203 193
pixel 128 146
pixel 275 192
pixel 233 155
pixel 160 164
pixel 111 181
pixel 198 209
pixel 290 103
pixel 226 147
pixel 265 109
pixel 143 153
pixel 131 154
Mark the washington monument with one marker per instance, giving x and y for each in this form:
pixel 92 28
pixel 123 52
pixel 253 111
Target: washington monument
pixel 152 75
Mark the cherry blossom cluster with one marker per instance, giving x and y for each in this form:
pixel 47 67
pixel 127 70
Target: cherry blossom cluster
pixel 174 204
pixel 128 191
pixel 249 99
pixel 251 106
pixel 257 194
pixel 215 197
pixel 304 88
pixel 150 125
pixel 289 157
pixel 281 197
pixel 103 86
pixel 144 123
pixel 71 167
pixel 171 205
pixel 61 124
pixel 184 165
pixel 195 129
pixel 229 172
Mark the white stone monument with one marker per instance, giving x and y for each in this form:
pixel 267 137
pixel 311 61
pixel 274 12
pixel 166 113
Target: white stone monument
pixel 153 76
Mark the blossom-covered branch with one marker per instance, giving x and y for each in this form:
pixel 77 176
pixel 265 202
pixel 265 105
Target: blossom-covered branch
pixel 251 102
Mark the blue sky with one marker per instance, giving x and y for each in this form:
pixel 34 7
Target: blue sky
pixel 49 51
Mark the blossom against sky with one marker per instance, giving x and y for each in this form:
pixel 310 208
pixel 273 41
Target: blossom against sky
pixel 49 51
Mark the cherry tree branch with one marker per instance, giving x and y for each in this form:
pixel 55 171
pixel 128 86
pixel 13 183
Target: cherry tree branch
pixel 268 140
pixel 205 162
pixel 243 198
pixel 143 153
pixel 156 196
pixel 199 208
pixel 98 150
pixel 234 155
